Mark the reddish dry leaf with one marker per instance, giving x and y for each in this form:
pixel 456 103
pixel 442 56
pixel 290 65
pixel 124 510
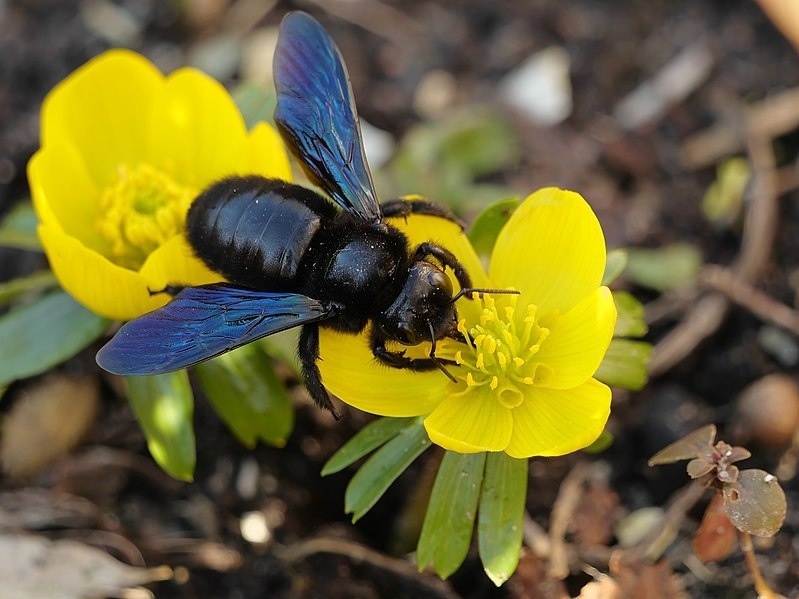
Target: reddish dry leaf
pixel 594 520
pixel 531 580
pixel 716 538
pixel 641 580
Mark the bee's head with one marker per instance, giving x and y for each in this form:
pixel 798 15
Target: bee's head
pixel 423 310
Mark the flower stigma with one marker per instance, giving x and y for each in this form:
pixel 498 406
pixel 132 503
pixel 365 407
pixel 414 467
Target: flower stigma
pixel 499 353
pixel 140 210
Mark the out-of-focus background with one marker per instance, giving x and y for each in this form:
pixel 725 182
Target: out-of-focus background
pixel 676 119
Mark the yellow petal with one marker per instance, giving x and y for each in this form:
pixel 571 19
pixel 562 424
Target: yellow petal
pixel 553 422
pixel 174 263
pixel 107 127
pixel 197 133
pixel 268 156
pixel 421 228
pixel 94 281
pixel 552 249
pixel 578 340
pixel 351 372
pixel 62 191
pixel 470 423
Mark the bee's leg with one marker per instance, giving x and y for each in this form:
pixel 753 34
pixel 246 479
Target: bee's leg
pixel 171 289
pixel 308 351
pixel 403 208
pixel 446 258
pixel 394 359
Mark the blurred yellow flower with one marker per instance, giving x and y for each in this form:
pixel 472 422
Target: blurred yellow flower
pixel 524 377
pixel 124 151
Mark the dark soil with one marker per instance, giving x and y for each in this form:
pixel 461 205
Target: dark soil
pixel 645 195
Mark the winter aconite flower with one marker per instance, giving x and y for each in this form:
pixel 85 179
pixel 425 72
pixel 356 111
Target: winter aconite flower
pixel 124 151
pixel 524 376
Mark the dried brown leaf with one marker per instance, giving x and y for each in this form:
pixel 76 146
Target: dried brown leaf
pixel 37 568
pixel 640 579
pixel 47 421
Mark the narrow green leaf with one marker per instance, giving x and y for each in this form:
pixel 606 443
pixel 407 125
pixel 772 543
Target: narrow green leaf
pixel 43 279
pixel 615 265
pixel 489 223
pixel 39 335
pixel 625 364
pixel 500 527
pixel 164 406
pixel 383 468
pixel 245 391
pixel 630 321
pixel 18 229
pixel 370 437
pixel 664 268
pixel 447 529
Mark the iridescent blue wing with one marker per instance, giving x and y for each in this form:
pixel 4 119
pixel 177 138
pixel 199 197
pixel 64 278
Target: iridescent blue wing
pixel 203 322
pixel 317 118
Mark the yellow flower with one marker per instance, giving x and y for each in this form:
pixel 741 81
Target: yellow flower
pixel 524 376
pixel 124 150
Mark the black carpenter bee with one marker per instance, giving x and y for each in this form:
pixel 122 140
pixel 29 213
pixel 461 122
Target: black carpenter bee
pixel 292 257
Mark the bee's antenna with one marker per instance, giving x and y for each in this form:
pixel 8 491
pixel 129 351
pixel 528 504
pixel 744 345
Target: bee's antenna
pixel 467 291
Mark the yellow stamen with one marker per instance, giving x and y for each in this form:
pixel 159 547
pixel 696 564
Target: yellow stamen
pixel 140 210
pixel 499 350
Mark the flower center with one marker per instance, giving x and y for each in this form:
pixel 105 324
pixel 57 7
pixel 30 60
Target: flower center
pixel 500 351
pixel 141 209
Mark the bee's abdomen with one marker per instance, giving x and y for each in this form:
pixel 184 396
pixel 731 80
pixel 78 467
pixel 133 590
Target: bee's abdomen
pixel 255 231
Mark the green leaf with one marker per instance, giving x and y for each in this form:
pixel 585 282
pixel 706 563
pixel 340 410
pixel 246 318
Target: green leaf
pixel 615 265
pixel 447 529
pixel 283 346
pixel 255 103
pixel 630 321
pixel 39 335
pixel 18 229
pixel 245 391
pixel 164 406
pixel 370 437
pixel 602 442
pixel 489 223
pixel 383 468
pixel 724 198
pixel 442 159
pixel 43 279
pixel 664 268
pixel 625 364
pixel 500 526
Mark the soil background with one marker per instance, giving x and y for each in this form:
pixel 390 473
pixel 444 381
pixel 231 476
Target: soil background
pixel 638 178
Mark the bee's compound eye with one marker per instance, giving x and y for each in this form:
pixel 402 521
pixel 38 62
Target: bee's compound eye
pixel 439 280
